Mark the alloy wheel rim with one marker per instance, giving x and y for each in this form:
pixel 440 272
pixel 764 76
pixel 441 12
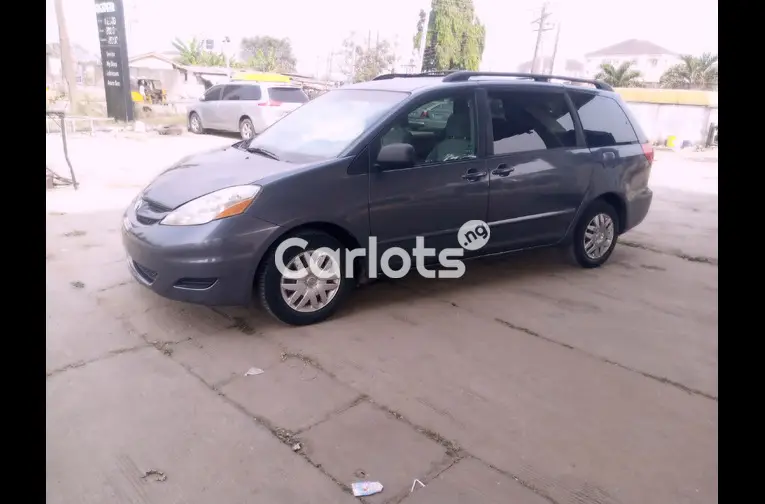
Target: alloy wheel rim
pixel 598 236
pixel 303 290
pixel 246 131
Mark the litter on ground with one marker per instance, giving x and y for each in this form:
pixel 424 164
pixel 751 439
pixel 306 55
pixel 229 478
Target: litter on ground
pixel 364 488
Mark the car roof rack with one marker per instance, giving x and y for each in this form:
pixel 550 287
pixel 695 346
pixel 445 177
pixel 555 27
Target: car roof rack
pixel 464 75
pixel 403 76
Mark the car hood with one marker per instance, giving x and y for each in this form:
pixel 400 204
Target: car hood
pixel 201 174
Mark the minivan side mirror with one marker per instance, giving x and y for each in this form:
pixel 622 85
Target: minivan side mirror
pixel 396 156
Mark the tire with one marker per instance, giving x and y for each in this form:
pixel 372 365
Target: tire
pixel 269 283
pixel 246 129
pixel 581 250
pixel 195 124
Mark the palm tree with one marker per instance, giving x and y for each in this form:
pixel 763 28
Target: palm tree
pixel 692 73
pixel 190 53
pixel 621 76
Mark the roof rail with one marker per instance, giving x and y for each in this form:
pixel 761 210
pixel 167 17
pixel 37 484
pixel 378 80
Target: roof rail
pixel 402 76
pixel 463 75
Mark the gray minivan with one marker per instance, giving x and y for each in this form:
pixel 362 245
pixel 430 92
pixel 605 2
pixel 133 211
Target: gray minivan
pixel 522 161
pixel 247 107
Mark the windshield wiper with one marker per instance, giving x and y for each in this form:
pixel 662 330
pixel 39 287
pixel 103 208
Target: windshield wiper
pixel 263 152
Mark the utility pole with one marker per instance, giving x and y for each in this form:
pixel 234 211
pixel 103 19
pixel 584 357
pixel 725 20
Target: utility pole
pixel 226 42
pixel 542 27
pixel 555 50
pixel 67 60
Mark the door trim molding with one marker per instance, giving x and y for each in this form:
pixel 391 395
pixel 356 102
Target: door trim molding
pixel 531 217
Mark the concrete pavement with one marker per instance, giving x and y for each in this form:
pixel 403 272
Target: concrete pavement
pixel 527 381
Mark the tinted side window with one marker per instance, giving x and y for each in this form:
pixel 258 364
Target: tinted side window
pixel 213 94
pixel 525 121
pixel 232 92
pixel 604 122
pixel 250 93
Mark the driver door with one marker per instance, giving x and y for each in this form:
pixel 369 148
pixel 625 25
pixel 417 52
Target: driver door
pixel 437 195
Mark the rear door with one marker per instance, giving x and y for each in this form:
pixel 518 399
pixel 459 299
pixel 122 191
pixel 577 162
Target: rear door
pixel 614 142
pixel 251 97
pixel 538 165
pixel 229 107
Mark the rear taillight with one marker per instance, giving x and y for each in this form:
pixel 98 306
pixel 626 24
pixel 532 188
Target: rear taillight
pixel 424 114
pixel 270 103
pixel 648 151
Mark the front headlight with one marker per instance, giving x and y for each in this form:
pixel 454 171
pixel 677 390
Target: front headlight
pixel 217 205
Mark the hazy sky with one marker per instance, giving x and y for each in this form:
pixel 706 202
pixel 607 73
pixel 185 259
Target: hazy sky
pixel 318 27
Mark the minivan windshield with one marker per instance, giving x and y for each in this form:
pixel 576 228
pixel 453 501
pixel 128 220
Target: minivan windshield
pixel 327 125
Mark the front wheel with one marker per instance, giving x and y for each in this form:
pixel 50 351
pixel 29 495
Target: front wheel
pixel 299 294
pixel 595 235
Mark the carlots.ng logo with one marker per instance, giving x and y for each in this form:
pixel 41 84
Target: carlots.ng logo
pixel 324 263
pixel 474 235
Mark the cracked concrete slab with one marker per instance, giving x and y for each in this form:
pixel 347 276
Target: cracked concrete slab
pixel 312 396
pixel 222 356
pixel 365 443
pixel 527 406
pixel 88 335
pixel 144 412
pixel 472 482
pixel 594 312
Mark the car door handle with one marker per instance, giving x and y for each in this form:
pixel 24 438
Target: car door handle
pixel 472 175
pixel 503 170
pixel 609 156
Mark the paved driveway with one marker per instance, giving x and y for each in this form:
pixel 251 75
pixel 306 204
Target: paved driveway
pixel 527 381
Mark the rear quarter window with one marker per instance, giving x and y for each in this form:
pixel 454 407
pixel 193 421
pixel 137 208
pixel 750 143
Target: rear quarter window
pixel 287 95
pixel 250 92
pixel 603 120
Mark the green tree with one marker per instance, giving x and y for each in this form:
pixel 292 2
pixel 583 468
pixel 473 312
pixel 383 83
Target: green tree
pixel 621 76
pixel 417 39
pixel 193 53
pixel 365 62
pixel 455 38
pixel 268 54
pixel 692 73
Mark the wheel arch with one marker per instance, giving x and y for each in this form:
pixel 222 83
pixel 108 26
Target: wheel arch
pixel 618 203
pixel 345 237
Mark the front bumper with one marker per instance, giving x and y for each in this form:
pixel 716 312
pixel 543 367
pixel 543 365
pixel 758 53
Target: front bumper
pixel 212 264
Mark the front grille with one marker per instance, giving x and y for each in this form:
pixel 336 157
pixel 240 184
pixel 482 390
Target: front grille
pixel 147 274
pixel 156 207
pixel 149 212
pixel 146 221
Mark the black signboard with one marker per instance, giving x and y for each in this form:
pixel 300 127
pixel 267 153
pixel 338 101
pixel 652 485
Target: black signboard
pixel 114 59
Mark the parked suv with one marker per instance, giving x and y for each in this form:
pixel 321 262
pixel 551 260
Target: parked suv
pixel 246 107
pixel 540 163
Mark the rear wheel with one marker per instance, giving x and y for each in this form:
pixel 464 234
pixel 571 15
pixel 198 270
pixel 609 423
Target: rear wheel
pixel 246 129
pixel 595 235
pixel 195 124
pixel 297 295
